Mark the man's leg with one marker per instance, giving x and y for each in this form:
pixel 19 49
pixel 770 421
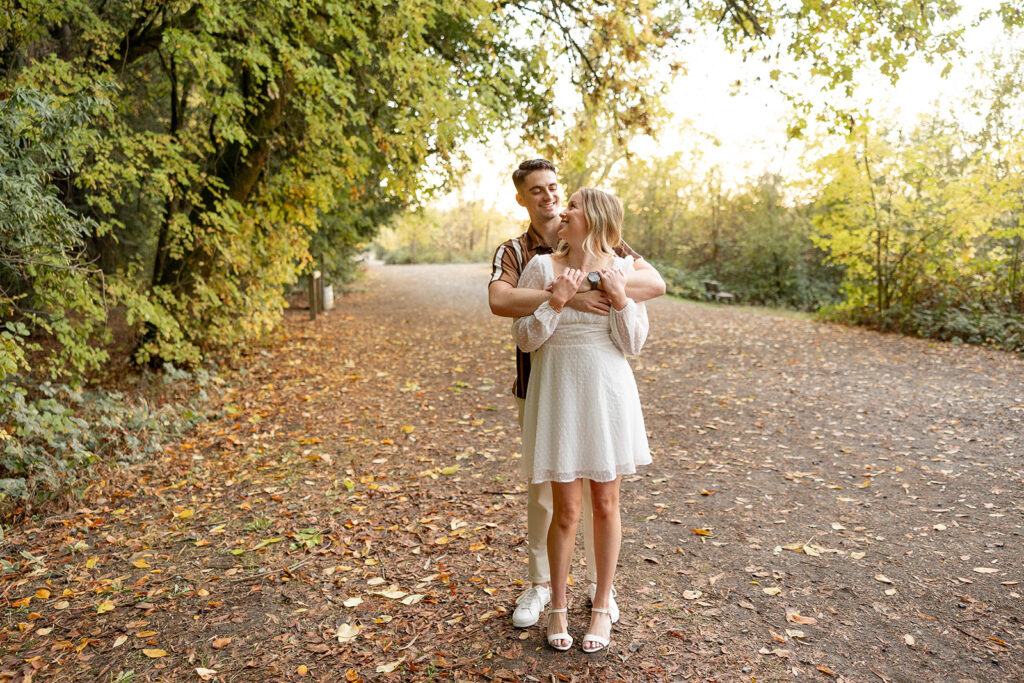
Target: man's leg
pixel 531 603
pixel 538 521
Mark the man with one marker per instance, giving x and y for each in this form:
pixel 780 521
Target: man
pixel 537 190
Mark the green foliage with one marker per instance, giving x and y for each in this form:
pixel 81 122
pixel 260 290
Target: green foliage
pixel 46 282
pixel 755 240
pixel 51 432
pixel 465 233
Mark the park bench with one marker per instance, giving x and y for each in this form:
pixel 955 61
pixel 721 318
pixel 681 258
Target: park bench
pixel 713 292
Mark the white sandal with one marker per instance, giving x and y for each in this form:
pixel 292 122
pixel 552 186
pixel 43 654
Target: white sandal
pixel 559 636
pixel 594 638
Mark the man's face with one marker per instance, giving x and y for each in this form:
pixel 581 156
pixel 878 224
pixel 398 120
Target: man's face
pixel 541 196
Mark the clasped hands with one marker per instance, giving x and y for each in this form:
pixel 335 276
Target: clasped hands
pixel 565 291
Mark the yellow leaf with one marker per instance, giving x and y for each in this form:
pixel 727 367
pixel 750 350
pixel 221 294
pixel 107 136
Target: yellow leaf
pixel 140 564
pixel 184 514
pixel 701 532
pixel 104 607
pixel 867 482
pixel 408 429
pixel 451 469
pixel 91 562
pixel 302 670
pixel 154 653
pixel 42 594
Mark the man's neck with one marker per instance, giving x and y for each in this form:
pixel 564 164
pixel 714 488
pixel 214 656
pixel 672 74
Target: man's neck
pixel 548 231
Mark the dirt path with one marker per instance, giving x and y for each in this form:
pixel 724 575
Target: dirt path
pixel 362 482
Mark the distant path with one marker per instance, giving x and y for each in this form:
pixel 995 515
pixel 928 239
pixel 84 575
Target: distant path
pixel 871 483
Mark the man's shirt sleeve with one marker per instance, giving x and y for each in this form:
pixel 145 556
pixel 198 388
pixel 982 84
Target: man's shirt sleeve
pixel 505 265
pixel 625 250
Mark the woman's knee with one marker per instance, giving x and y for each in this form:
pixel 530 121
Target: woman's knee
pixel 605 503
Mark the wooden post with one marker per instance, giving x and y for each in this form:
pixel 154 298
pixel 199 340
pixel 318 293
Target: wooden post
pixel 315 294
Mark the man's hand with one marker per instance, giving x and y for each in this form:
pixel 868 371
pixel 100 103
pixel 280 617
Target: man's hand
pixel 592 301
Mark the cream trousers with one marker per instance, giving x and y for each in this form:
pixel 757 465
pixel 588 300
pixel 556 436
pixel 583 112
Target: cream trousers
pixel 538 519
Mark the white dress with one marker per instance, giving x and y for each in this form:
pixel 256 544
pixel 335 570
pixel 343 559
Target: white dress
pixel 582 416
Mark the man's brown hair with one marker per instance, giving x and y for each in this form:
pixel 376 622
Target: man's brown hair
pixel 527 167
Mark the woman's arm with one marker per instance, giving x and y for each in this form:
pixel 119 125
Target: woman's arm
pixel 628 323
pixel 531 331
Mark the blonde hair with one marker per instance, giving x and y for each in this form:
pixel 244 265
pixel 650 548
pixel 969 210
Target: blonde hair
pixel 603 212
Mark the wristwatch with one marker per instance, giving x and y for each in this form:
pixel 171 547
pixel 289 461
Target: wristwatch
pixel 594 278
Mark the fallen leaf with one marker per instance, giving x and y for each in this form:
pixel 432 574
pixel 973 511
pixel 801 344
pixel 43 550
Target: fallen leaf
pixel 883 578
pixel 120 640
pixel 793 616
pixel 206 674
pixel 141 563
pixel 91 562
pixel 701 532
pixel 909 640
pixel 44 631
pixel 347 632
pixel 184 514
pixel 774 590
pixel 392 592
pixel 986 570
pixel 856 555
pixel 61 604
pixel 104 607
pixel 218 643
pixel 154 653
pixel 353 602
pixel 412 599
pixel 389 667
pixel 691 595
pixel 42 594
pixel 302 670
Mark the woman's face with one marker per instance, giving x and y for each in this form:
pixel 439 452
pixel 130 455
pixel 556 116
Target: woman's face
pixel 574 224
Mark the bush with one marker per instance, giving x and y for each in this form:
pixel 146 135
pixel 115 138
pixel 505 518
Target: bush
pixel 51 433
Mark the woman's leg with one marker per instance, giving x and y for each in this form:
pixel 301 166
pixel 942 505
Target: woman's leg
pixel 604 496
pixel 565 499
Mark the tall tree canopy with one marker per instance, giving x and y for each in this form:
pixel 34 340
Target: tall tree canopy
pixel 222 137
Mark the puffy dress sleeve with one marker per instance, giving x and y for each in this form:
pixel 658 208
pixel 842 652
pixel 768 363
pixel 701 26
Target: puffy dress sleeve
pixel 531 331
pixel 629 326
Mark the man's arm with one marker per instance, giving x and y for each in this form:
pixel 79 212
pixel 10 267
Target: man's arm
pixel 644 283
pixel 514 302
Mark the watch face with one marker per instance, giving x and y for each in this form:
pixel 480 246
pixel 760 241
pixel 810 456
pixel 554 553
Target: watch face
pixel 594 279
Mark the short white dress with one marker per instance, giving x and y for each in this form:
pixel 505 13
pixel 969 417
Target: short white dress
pixel 582 417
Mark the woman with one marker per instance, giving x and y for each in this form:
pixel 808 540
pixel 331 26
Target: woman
pixel 582 422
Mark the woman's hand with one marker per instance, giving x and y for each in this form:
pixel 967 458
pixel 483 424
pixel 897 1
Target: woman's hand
pixel 564 288
pixel 613 282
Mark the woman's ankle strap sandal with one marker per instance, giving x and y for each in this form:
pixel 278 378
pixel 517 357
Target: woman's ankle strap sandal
pixel 601 641
pixel 559 636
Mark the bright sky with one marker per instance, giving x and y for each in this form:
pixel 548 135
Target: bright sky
pixel 745 132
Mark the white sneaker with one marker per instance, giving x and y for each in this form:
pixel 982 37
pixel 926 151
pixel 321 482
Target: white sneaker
pixel 613 609
pixel 529 605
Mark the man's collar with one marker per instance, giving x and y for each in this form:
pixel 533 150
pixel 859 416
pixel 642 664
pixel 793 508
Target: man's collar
pixel 535 243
